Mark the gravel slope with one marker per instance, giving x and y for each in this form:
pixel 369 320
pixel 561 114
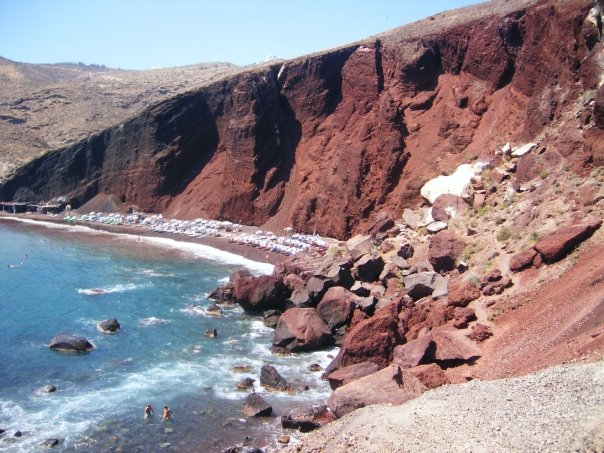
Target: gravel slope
pixel 557 410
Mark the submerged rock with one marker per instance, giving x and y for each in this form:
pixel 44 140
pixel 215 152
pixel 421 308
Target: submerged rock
pixel 70 343
pixel 50 443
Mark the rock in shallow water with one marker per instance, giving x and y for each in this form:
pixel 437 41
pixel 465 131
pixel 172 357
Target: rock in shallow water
pixel 70 343
pixel 109 326
pixel 256 406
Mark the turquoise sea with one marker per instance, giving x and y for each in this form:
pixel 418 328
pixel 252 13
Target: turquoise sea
pixel 157 289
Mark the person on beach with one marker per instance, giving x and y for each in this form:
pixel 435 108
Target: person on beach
pixel 148 411
pixel 167 413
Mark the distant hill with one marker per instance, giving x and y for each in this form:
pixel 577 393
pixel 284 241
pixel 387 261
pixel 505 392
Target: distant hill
pixel 49 106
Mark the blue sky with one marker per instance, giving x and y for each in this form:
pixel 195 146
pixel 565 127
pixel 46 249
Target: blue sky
pixel 144 34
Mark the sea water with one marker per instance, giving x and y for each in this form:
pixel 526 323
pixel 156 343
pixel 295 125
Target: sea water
pixel 157 289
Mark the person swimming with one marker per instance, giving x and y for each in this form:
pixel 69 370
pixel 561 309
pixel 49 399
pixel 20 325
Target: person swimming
pixel 167 413
pixel 148 411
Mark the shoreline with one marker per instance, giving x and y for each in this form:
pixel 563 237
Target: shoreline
pixel 219 243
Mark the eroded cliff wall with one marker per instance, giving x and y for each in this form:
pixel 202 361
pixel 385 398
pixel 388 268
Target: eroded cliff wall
pixel 324 142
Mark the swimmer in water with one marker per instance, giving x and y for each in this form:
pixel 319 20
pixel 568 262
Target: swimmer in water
pixel 167 413
pixel 148 411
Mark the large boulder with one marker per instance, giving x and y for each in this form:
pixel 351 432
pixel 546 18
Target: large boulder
pixel 453 348
pixel 256 406
pixel 271 379
pixel 335 273
pixel 419 285
pixel 558 244
pixel 461 293
pixel 336 307
pixel 522 260
pixel 448 206
pixel 368 268
pixel 317 287
pixel 109 326
pixel 299 298
pixel 359 245
pixel 70 343
pixel 261 293
pixel 415 352
pixel 444 249
pixel 350 373
pixel 392 385
pixel 301 329
pixel 371 340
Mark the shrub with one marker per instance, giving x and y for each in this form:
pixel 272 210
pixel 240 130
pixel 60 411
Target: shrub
pixel 504 234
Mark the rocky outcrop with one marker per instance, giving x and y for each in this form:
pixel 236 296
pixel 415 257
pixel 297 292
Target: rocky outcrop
pixel 266 146
pixel 301 329
pixel 391 385
pixel 70 343
pixel 336 307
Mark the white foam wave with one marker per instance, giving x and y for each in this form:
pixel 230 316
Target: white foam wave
pixel 153 321
pixel 119 288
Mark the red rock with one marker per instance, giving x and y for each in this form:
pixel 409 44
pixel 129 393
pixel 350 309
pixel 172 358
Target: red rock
pixel 293 281
pixel 336 307
pixel 493 288
pixel 308 420
pixel 453 348
pixel 371 340
pixel 359 245
pixel 261 293
pixel 415 352
pixel 431 375
pixel 392 385
pixel 480 332
pixel 301 329
pixel 381 224
pixel 358 316
pixel 350 373
pixel 463 316
pixel 444 248
pixel 522 260
pixel 447 206
pixel 558 244
pixel 460 293
pixel 493 276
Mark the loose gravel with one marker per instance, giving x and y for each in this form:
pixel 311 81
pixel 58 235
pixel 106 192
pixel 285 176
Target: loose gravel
pixel 560 409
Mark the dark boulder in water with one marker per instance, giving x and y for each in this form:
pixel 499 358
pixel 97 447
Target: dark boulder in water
pixel 256 406
pixel 109 326
pixel 271 379
pixel 50 443
pixel 70 343
pixel 47 389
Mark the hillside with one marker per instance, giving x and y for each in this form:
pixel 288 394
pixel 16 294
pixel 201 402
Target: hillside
pixel 327 141
pixel 46 107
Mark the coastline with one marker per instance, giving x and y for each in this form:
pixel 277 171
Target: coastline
pixel 218 243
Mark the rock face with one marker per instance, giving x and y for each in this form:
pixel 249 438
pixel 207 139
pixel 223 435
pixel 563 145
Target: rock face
pixel 559 243
pixel 329 141
pixel 391 385
pixel 70 343
pixel 301 329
